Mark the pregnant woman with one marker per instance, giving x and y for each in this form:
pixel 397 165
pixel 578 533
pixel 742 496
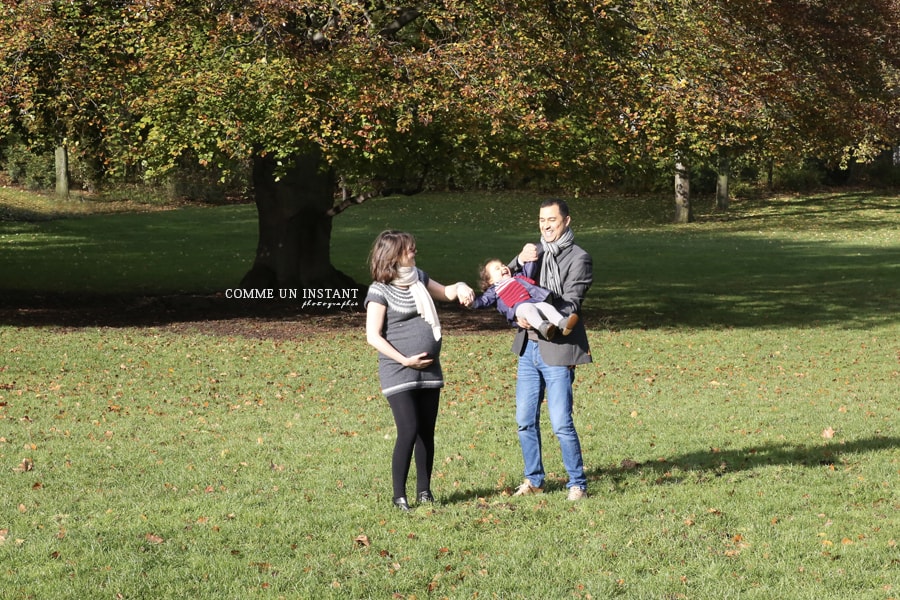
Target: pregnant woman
pixel 402 324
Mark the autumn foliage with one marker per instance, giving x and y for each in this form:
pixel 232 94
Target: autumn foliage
pixel 390 94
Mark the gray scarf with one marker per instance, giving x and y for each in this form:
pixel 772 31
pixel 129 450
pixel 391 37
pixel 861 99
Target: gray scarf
pixel 550 277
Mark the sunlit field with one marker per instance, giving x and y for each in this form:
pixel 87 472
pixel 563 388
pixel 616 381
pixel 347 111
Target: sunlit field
pixel 739 421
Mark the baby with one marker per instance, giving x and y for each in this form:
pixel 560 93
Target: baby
pixel 518 296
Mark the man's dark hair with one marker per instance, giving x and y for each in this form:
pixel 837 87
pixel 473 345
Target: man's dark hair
pixel 563 207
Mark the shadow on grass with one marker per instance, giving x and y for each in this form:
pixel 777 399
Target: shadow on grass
pixel 716 462
pixel 643 279
pixel 747 270
pixel 704 280
pixel 211 314
pixel 852 211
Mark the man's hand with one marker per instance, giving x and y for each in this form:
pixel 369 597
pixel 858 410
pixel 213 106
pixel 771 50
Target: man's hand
pixel 529 253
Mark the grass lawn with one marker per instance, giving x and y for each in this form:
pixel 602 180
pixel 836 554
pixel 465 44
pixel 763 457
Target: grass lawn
pixel 739 424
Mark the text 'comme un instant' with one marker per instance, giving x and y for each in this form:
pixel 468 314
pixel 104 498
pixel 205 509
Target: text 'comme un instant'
pixel 311 297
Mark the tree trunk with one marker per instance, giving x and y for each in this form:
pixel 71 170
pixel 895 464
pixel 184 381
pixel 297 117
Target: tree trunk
pixel 722 199
pixel 62 172
pixel 294 248
pixel 683 210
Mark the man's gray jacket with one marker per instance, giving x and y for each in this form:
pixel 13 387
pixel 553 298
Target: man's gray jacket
pixel 576 272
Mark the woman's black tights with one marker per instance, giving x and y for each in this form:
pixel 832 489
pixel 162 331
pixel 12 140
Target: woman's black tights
pixel 415 413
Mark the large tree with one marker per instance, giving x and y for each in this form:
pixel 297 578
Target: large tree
pixel 67 78
pixel 718 79
pixel 374 98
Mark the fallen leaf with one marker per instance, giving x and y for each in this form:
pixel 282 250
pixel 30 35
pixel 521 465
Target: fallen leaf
pixel 26 465
pixel 629 464
pixel 828 433
pixel 362 541
pixel 153 538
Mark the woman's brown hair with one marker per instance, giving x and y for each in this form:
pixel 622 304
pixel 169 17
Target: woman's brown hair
pixel 384 260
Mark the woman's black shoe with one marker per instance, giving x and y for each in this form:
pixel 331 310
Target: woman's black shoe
pixel 401 503
pixel 425 497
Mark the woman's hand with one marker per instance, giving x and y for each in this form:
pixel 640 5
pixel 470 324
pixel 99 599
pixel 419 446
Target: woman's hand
pixel 464 294
pixel 419 361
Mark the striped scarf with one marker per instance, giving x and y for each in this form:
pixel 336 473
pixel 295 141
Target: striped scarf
pixel 550 277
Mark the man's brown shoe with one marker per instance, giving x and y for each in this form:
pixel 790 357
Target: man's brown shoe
pixel 526 489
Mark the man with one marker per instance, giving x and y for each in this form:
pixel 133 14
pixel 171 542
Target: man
pixel 547 367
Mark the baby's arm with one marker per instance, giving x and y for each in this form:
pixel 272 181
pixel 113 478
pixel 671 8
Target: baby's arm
pixel 488 298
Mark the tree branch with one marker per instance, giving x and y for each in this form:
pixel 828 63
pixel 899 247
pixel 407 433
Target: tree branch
pixel 406 16
pixel 349 201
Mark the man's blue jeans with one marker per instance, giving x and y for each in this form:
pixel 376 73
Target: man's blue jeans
pixel 535 378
